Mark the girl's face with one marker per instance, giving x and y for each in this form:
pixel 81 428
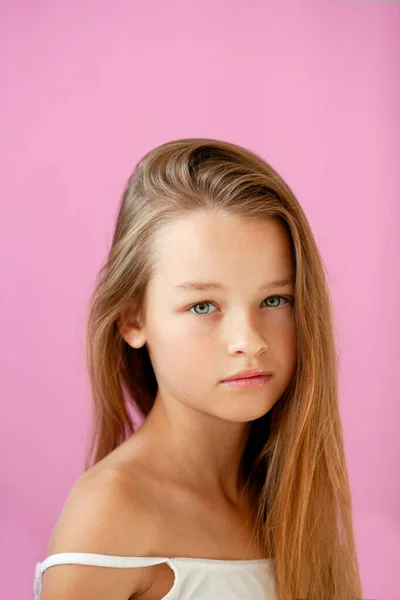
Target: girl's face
pixel 196 338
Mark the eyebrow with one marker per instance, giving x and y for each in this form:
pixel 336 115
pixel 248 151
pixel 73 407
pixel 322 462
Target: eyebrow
pixel 201 286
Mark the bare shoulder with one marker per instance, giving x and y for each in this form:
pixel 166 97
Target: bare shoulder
pixel 99 508
pixel 105 513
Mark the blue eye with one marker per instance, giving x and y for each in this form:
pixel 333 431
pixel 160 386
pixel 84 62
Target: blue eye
pixel 205 302
pixel 279 297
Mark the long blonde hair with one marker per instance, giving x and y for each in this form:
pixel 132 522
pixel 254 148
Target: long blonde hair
pixel 295 458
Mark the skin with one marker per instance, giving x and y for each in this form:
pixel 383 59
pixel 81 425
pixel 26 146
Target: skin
pixel 197 429
pixel 174 488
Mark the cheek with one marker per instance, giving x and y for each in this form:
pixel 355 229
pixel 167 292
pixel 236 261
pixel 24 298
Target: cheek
pixel 181 350
pixel 284 339
pixel 185 367
pixel 291 346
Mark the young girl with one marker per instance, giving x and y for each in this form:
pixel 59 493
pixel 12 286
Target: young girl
pixel 212 318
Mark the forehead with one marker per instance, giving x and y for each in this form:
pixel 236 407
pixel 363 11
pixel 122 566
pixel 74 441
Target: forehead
pixel 221 247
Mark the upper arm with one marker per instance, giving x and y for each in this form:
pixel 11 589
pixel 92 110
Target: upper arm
pixel 98 517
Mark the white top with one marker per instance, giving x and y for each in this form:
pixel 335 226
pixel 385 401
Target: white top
pixel 195 578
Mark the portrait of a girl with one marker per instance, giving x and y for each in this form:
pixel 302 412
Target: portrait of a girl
pixel 216 467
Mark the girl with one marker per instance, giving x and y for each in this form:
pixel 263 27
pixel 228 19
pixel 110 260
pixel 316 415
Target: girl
pixel 213 318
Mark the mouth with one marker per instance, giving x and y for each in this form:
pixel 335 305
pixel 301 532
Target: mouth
pixel 247 375
pixel 247 382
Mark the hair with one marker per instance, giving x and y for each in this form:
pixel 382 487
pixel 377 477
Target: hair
pixel 294 460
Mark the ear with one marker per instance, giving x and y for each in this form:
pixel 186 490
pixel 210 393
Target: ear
pixel 131 329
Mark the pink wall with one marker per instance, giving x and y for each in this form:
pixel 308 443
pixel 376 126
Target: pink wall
pixel 87 88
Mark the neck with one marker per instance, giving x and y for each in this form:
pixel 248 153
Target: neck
pixel 197 450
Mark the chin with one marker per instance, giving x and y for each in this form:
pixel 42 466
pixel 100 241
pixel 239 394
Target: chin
pixel 247 413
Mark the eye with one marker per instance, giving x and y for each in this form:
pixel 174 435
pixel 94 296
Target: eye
pixel 203 310
pixel 276 297
pixel 202 304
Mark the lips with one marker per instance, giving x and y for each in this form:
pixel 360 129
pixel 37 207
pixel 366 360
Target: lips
pixel 247 374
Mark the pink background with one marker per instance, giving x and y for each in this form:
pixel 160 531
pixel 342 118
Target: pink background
pixel 87 88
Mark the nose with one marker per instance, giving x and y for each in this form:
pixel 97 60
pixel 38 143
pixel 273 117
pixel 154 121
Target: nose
pixel 245 338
